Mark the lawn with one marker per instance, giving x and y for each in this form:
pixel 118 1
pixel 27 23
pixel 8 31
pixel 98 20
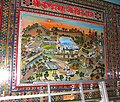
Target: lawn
pixel 47 46
pixel 35 44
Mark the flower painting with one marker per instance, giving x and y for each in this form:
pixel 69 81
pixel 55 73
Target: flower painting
pixel 59 49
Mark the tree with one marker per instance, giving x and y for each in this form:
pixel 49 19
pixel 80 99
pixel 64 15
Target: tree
pixel 31 78
pixel 37 62
pixel 92 75
pixel 48 32
pixel 28 27
pixel 97 77
pixel 56 77
pixel 49 58
pixel 24 30
pixel 77 64
pixel 77 72
pixel 61 77
pixel 37 75
pixel 39 36
pixel 39 31
pixel 40 75
pixel 81 74
pixel 102 75
pixel 89 31
pixel 34 66
pixel 63 29
pixel 96 34
pixel 66 78
pixel 40 67
pixel 69 78
pixel 46 75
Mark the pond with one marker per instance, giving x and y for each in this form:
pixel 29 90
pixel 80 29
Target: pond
pixel 66 43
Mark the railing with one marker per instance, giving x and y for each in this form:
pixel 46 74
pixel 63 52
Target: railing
pixel 103 87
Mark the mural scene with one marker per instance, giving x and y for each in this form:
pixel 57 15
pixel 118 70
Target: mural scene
pixel 59 49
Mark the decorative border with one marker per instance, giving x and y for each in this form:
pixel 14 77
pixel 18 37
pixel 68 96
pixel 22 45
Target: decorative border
pixel 1 40
pixel 0 14
pixel 5 39
pixel 65 8
pixel 98 23
pixel 119 19
pixel 118 43
pixel 23 88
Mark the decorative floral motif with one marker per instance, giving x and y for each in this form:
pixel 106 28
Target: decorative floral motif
pixel 98 15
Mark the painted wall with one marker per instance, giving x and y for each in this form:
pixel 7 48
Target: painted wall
pixel 8 65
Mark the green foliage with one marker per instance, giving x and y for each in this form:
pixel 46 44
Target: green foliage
pixel 47 46
pixel 29 27
pixel 48 33
pixel 39 36
pixel 61 77
pixel 46 39
pixel 38 31
pixel 84 50
pixel 77 72
pixel 97 77
pixel 46 74
pixel 81 74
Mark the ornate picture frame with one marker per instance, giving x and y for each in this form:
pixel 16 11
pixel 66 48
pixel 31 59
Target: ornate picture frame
pixel 90 19
pixel 54 48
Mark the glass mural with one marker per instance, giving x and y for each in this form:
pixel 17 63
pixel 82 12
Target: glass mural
pixel 59 49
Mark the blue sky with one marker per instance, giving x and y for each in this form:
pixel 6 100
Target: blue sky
pixel 82 24
pixel 114 1
pixel 63 20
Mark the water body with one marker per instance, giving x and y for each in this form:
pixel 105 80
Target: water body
pixel 67 43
